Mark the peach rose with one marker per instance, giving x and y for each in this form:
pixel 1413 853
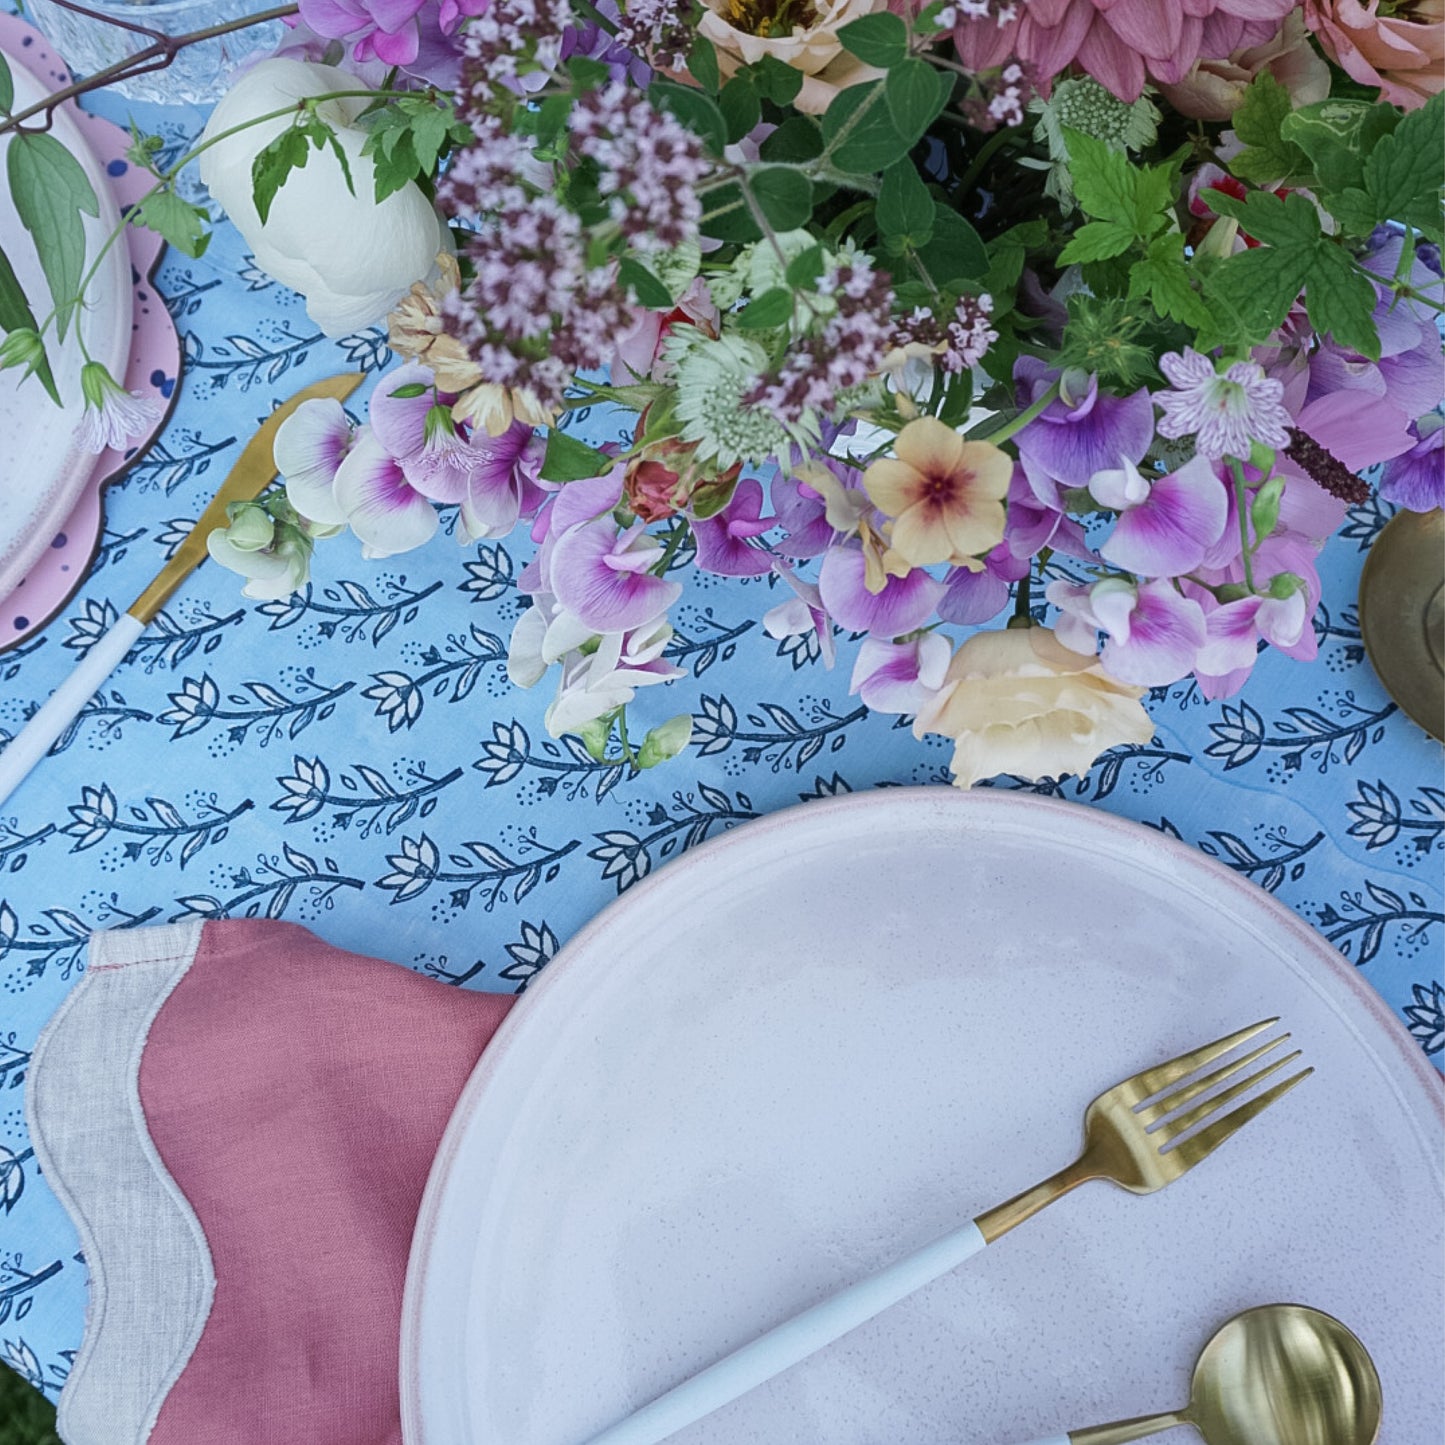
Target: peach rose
pixel 1020 702
pixel 1402 52
pixel 800 33
pixel 1213 89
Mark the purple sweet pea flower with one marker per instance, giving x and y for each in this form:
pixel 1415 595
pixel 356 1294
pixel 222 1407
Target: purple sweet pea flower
pixel 802 514
pixel 973 597
pixel 386 30
pixel 1031 525
pixel 588 39
pixel 722 540
pixel 1233 632
pixel 601 576
pixel 1084 431
pixel 904 604
pixel 1416 480
pixel 1154 633
pixel 1170 528
pixel 901 677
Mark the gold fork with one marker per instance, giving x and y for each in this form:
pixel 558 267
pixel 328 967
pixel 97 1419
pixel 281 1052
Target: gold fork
pixel 1141 1134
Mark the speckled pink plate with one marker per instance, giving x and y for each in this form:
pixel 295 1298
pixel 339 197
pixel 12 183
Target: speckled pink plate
pixel 59 549
pixel 832 1035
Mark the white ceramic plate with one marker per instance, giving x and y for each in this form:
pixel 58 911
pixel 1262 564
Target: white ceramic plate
pixel 832 1035
pixel 43 470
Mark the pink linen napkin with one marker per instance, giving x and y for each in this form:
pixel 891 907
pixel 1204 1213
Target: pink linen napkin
pixel 240 1119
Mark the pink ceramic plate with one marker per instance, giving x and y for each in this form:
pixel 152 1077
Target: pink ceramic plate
pixel 833 1035
pixel 51 559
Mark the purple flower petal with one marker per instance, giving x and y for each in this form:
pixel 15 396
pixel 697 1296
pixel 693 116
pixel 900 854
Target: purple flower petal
pixel 399 422
pixel 1416 480
pixel 1071 445
pixel 722 545
pixel 905 603
pixel 1171 532
pixel 598 574
pixel 309 448
pixel 382 507
pixel 1154 633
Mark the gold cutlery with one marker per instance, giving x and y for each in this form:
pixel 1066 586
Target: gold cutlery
pixel 254 471
pixel 1142 1134
pixel 1275 1375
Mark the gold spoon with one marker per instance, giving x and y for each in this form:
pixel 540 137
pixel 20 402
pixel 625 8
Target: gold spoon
pixel 1275 1375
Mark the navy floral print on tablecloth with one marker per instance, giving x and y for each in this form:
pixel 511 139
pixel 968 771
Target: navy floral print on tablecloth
pixel 355 760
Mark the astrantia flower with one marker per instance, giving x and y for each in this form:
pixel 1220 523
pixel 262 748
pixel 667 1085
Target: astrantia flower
pixel 1225 414
pixel 1085 106
pixel 712 378
pixel 1120 43
pixel 113 416
pixel 945 495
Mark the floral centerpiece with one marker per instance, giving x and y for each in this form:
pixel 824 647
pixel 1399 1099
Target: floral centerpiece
pixel 1091 310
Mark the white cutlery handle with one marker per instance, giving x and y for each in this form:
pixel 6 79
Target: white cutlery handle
pixel 787 1344
pixel 32 742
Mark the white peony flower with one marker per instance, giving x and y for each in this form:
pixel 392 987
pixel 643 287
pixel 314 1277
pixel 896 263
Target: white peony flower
pixel 352 257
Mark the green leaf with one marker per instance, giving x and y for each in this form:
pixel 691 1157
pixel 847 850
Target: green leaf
pixel 1405 171
pixel 698 112
pixel 586 72
pixel 15 313
pixel 880 40
pixel 727 217
pixel 871 144
pixel 956 255
pixel 1336 135
pixel 430 132
pixel 1258 122
pixel 1103 179
pixel 1278 220
pixel 644 285
pixel 785 197
pixel 905 209
pixel 799 138
pixel 1264 510
pixel 51 192
pixel 7 86
pixel 775 80
pixel 740 106
pixel 702 64
pixel 275 161
pixel 1340 299
pixel 772 308
pixel 806 268
pixel 186 227
pixel 916 94
pixel 1097 241
pixel 568 460
pixel 1250 294
pixel 1163 277
pixel 410 391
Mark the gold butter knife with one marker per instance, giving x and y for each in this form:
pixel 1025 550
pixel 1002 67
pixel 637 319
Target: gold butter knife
pixel 253 472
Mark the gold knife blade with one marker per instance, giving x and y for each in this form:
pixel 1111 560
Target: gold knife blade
pixel 254 471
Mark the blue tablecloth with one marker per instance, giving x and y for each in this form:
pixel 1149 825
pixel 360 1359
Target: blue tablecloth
pixel 355 760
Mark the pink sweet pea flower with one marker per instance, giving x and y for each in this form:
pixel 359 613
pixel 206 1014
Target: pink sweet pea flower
pixel 1234 630
pixel 1166 524
pixel 385 511
pixel 722 539
pixel 1154 633
pixel 904 604
pixel 901 677
pixel 801 613
pixel 602 576
pixel 310 446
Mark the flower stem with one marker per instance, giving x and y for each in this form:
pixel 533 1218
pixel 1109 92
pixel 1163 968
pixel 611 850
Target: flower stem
pixel 674 541
pixel 164 50
pixel 1241 505
pixel 1024 417
pixel 986 153
pixel 585 7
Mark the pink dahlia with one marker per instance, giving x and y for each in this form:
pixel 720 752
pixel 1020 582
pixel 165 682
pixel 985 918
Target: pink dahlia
pixel 1121 43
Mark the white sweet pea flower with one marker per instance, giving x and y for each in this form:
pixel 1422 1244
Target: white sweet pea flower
pixel 352 257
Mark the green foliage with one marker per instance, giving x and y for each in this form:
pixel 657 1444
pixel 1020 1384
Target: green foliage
pixel 741 107
pixel 698 112
pixel 51 194
pixel 568 460
pixel 785 197
pixel 955 256
pixel 859 131
pixel 290 151
pixel 806 268
pixel 1110 336
pixel 880 40
pixel 772 308
pixel 409 136
pixel 7 87
pixel 702 64
pixel 1269 155
pixel 798 139
pixel 16 315
pixel 184 226
pixel 1111 187
pixel 1162 277
pixel 26 1416
pixel 917 93
pixel 905 209
pixel 648 290
pixel 1339 296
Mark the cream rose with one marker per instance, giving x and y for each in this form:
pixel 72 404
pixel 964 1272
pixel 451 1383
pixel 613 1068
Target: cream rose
pixel 1214 89
pixel 808 41
pixel 1020 702
pixel 352 257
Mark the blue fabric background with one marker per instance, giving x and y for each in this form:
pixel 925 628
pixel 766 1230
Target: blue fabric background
pixel 355 760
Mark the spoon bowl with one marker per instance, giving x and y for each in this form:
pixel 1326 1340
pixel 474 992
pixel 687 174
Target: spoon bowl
pixel 1285 1375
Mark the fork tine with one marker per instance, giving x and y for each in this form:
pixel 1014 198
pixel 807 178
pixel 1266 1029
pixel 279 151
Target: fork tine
pixel 1151 1081
pixel 1168 1103
pixel 1206 1141
pixel 1212 1105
